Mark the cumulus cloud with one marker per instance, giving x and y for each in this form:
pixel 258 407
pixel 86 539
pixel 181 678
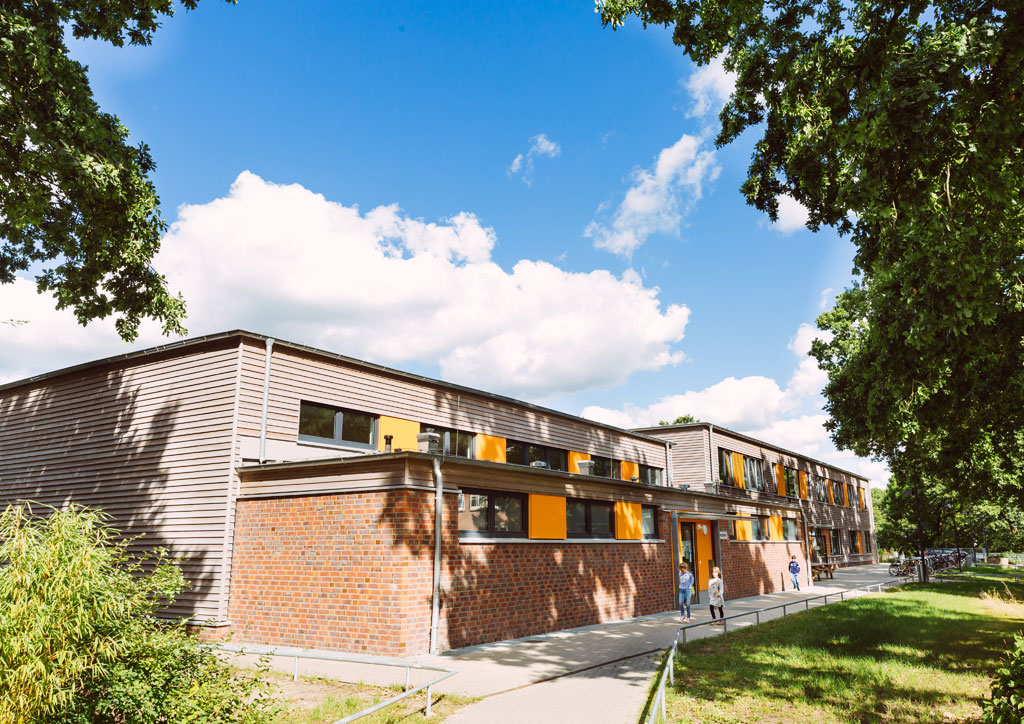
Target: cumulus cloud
pixel 709 87
pixel 659 198
pixel 792 215
pixel 523 165
pixel 789 416
pixel 379 285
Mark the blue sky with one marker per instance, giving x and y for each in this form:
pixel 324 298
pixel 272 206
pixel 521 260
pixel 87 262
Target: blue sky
pixel 279 127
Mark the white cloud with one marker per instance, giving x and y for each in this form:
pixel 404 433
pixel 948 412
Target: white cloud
pixel 825 295
pixel 382 286
pixel 792 215
pixel 710 87
pixel 540 146
pixel 789 416
pixel 655 203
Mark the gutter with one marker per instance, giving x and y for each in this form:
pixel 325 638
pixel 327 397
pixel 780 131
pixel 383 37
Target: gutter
pixel 435 607
pixel 266 399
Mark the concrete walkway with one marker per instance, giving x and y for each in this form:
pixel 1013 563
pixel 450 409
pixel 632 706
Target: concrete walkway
pixel 594 674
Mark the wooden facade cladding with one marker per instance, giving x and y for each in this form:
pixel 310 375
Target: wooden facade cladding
pixel 298 375
pixel 150 441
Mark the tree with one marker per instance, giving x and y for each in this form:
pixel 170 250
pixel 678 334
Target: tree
pixel 900 125
pixel 78 640
pixel 77 207
pixel 681 420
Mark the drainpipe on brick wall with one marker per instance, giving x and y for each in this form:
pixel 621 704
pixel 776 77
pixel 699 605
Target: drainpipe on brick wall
pixel 266 400
pixel 807 546
pixel 435 608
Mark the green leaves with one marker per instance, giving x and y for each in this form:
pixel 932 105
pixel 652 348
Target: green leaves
pixel 899 125
pixel 1007 703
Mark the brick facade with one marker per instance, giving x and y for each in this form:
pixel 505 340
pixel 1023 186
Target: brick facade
pixel 353 572
pixel 754 568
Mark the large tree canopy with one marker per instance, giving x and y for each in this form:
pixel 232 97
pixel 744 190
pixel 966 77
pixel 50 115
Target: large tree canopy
pixel 77 207
pixel 901 125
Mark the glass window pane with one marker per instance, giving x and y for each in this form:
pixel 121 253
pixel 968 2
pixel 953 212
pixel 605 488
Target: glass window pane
pixel 536 454
pixel 508 514
pixel 600 518
pixel 316 421
pixel 558 459
pixel 463 445
pixel 474 518
pixel 357 428
pixel 515 453
pixel 575 517
pixel 647 522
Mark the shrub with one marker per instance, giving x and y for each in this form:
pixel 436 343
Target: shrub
pixel 1007 704
pixel 79 641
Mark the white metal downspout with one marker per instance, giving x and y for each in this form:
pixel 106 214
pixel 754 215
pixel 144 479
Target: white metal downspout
pixel 807 549
pixel 435 609
pixel 711 453
pixel 668 463
pixel 266 400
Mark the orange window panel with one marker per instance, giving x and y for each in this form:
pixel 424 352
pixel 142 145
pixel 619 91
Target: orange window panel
pixel 860 542
pixel 574 459
pixel 828 490
pixel 547 516
pixel 775 527
pixel 404 432
pixel 628 521
pixel 803 484
pixel 628 471
pixel 846 495
pixel 490 448
pixel 780 479
pixel 737 469
pixel 860 494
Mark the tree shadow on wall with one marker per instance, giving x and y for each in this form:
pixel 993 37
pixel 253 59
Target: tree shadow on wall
pixel 99 440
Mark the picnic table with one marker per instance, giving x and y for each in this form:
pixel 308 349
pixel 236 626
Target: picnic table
pixel 826 567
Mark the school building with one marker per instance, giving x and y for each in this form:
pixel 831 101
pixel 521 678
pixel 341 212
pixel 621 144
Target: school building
pixel 321 501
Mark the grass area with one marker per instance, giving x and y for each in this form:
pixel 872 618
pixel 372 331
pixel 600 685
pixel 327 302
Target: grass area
pixel 321 701
pixel 911 654
pixel 984 571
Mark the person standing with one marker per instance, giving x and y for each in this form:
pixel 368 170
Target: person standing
pixel 685 591
pixel 794 572
pixel 716 595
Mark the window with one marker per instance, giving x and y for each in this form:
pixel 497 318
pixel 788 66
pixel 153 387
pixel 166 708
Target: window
pixel 649 475
pixel 854 548
pixel 837 545
pixel 488 514
pixel 753 473
pixel 759 527
pixel 837 492
pixel 649 521
pixel 589 519
pixel 792 483
pixel 818 544
pixel 790 529
pixel 453 442
pixel 820 489
pixel 860 497
pixel 850 495
pixel 725 474
pixel 319 423
pixel 524 453
pixel 867 541
pixel 605 467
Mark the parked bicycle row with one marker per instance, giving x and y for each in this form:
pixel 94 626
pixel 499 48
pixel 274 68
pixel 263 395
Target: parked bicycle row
pixel 936 562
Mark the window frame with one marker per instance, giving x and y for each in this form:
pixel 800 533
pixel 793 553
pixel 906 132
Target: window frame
pixel 524 500
pixel 339 421
pixel 854 548
pixel 755 465
pixel 837 487
pixel 796 481
pixel 726 475
pixel 547 449
pixel 654 512
pixel 818 544
pixel 820 489
pixel 614 467
pixel 446 433
pixel 759 528
pixel 835 542
pixel 588 533
pixel 645 471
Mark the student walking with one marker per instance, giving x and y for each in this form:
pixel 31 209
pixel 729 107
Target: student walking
pixel 716 595
pixel 685 591
pixel 794 572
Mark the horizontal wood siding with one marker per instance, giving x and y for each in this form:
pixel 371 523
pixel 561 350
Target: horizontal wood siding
pixel 149 441
pixel 297 376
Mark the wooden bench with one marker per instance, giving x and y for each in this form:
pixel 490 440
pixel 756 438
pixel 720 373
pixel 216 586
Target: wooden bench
pixel 818 570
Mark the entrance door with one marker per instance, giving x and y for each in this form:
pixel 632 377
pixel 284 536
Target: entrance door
pixel 688 546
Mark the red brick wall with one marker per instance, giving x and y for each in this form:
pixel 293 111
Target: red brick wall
pixel 354 573
pixel 499 591
pixel 753 568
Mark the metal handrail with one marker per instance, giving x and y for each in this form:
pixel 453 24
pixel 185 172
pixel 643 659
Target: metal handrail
pixel 668 665
pixel 351 659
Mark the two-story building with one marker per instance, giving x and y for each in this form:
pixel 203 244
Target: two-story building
pixel 321 501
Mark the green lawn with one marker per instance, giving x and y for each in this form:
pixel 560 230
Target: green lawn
pixel 984 571
pixel 914 654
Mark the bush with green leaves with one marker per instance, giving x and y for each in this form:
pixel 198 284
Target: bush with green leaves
pixel 79 640
pixel 1007 705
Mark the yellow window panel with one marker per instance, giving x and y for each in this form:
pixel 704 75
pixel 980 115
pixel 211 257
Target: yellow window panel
pixel 574 459
pixel 737 469
pixel 828 489
pixel 803 484
pixel 627 471
pixel 628 522
pixel 775 527
pixel 404 431
pixel 547 516
pixel 780 479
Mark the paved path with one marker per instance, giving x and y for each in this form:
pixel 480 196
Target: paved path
pixel 596 674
